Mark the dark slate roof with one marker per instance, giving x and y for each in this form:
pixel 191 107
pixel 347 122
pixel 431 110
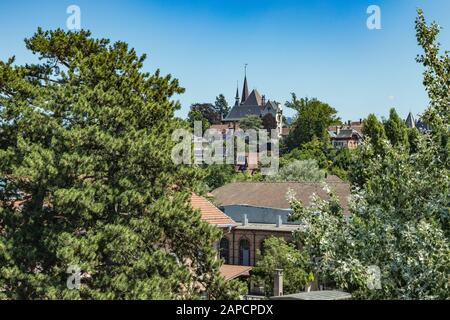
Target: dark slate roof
pixel 254 99
pixel 239 112
pixel 347 134
pixel 270 107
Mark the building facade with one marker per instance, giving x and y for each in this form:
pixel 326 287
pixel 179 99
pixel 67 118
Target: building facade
pixel 261 210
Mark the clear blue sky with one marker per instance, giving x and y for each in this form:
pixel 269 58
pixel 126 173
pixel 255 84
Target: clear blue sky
pixel 317 48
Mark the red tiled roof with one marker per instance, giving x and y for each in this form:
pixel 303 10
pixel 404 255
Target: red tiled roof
pixel 229 271
pixel 210 213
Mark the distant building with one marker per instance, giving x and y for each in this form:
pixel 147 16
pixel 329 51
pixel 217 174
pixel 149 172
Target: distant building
pixel 261 210
pixel 347 136
pixel 254 103
pixel 419 124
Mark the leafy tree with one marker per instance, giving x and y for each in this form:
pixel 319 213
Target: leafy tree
pixel 277 254
pixel 269 122
pixel 250 122
pixel 413 139
pixel 89 181
pixel 399 230
pixel 204 112
pixel 221 106
pixel 315 149
pixel 396 130
pixel 218 175
pixel 373 129
pixel 312 121
pixel 196 115
pixel 299 170
pixel 341 162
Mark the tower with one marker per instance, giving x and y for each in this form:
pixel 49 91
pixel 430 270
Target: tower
pixel 245 86
pixel 236 103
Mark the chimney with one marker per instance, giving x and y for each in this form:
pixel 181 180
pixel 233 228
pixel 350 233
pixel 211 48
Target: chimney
pixel 244 220
pixel 360 121
pixel 278 283
pixel 279 221
pixel 337 129
pixel 263 100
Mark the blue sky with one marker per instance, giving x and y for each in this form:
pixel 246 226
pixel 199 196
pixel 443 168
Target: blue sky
pixel 317 48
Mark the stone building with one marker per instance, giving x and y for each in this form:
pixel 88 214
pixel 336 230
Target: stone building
pixel 260 210
pixel 254 103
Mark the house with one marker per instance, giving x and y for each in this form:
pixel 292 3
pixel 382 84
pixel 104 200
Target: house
pixel 347 136
pixel 261 210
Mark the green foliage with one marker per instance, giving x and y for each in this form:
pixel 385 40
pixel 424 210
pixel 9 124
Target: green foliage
pixel 400 221
pixel 312 121
pixel 250 122
pixel 221 105
pixel 195 114
pixel 218 175
pixel 315 149
pixel 277 254
pixel 342 161
pixel 374 129
pixel 86 141
pixel 299 171
pixel 396 130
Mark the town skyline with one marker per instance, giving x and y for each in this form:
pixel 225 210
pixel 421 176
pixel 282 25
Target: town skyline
pixel 207 47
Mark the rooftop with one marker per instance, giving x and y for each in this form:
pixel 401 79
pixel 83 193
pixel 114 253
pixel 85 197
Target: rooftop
pixel 233 271
pixel 210 213
pixel 274 194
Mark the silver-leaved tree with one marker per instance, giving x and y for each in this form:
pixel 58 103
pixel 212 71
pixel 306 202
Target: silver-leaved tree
pixel 395 244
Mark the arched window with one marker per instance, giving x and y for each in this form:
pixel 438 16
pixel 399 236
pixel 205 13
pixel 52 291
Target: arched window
pixel 244 252
pixel 224 250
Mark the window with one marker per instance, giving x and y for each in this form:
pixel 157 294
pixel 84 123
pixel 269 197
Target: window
pixel 224 250
pixel 244 252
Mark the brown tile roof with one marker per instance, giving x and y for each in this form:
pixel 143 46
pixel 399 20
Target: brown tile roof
pixel 210 213
pixel 229 271
pixel 273 194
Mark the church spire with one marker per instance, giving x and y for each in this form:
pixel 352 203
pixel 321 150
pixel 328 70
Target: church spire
pixel 245 87
pixel 237 95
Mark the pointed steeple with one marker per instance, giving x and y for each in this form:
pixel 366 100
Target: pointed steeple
pixel 245 87
pixel 410 122
pixel 237 95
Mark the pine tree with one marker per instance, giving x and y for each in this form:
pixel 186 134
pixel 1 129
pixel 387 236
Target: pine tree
pixel 86 179
pixel 221 105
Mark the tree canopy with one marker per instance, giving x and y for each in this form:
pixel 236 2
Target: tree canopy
pixel 277 254
pixel 87 179
pixel 312 121
pixel 250 122
pixel 396 242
